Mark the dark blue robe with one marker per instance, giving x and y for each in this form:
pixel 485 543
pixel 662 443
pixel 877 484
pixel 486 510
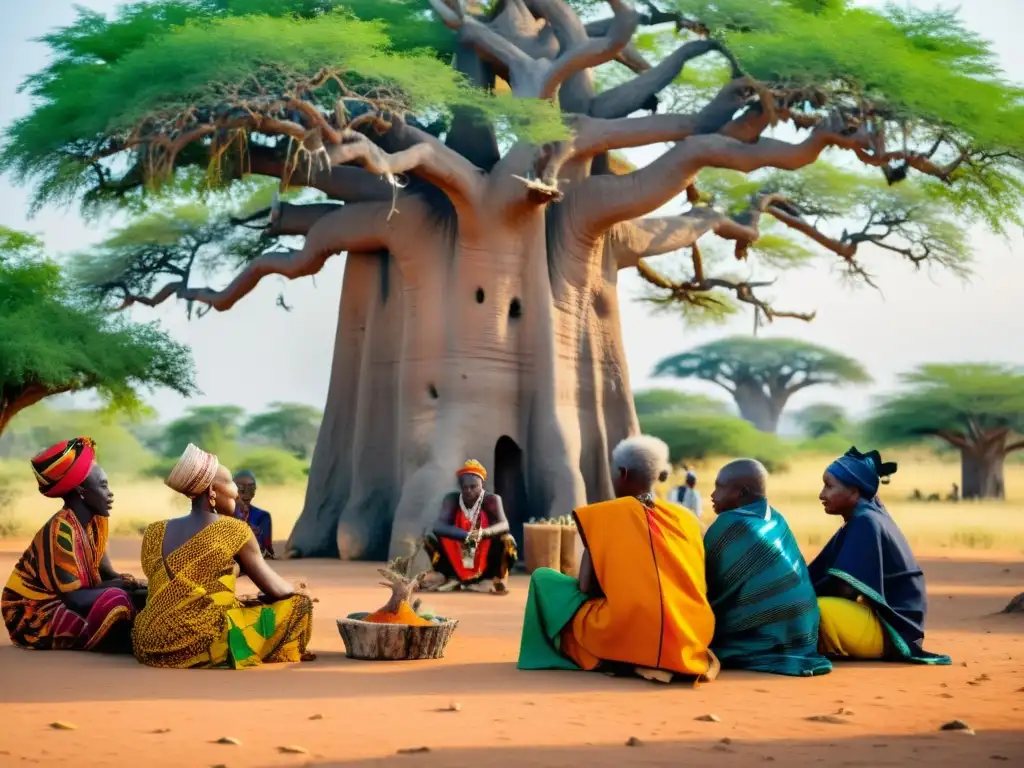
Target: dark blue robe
pixel 871 555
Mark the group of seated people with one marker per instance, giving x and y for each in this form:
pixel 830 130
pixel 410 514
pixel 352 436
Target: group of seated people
pixel 657 598
pixel 64 594
pixel 656 594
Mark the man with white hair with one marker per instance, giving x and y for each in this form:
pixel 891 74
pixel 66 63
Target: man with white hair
pixel 641 598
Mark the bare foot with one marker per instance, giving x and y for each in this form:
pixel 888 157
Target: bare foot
pixel 308 657
pixel 499 587
pixel 449 586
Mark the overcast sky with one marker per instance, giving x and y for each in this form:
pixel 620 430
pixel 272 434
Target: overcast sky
pixel 918 317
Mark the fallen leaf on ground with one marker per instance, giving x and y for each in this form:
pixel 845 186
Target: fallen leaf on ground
pixel 708 718
pixel 413 750
pixel 61 725
pixel 316 717
pixel 161 730
pixel 633 741
pixel 291 749
pixel 228 740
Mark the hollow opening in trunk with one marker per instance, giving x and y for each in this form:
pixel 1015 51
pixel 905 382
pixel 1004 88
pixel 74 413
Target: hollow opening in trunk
pixel 515 309
pixel 479 295
pixel 510 484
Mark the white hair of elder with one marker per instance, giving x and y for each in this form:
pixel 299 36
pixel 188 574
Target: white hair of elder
pixel 644 457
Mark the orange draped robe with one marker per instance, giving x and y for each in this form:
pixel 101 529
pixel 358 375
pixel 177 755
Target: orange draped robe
pixel 655 611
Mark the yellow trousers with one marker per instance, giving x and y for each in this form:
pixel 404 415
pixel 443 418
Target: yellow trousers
pixel 849 629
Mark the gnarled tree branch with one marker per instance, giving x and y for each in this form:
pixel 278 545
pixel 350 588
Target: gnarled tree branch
pixel 357 227
pixel 699 290
pixel 593 52
pixel 627 98
pixel 602 201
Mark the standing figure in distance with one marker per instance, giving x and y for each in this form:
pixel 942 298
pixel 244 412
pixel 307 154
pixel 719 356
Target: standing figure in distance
pixel 470 540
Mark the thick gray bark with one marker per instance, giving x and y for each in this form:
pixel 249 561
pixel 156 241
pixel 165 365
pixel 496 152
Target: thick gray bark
pixel 981 473
pixel 758 408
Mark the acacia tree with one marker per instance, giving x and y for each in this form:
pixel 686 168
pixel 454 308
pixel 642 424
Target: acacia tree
pixel 822 419
pixel 291 426
pixel 763 374
pixel 52 342
pixel 977 409
pixel 485 232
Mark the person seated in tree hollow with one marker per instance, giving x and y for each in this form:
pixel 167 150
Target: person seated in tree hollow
pixel 257 519
pixel 193 618
pixel 470 541
pixel 766 612
pixel 64 594
pixel 871 591
pixel 640 603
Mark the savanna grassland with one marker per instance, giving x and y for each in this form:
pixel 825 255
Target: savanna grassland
pixel 930 526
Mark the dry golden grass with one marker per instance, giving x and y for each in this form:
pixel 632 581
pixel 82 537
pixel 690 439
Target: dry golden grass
pixel 930 526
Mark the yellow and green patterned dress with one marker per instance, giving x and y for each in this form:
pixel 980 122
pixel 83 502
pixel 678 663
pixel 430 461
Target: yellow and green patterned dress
pixel 192 618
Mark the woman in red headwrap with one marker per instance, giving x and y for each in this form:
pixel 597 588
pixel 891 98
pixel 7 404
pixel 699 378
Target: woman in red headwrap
pixel 64 594
pixel 470 541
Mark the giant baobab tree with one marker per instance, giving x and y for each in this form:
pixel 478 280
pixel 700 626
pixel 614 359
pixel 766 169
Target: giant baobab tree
pixel 464 158
pixel 762 375
pixel 976 409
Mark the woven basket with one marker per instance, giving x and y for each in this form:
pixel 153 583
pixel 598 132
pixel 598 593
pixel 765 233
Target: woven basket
pixel 394 642
pixel 543 545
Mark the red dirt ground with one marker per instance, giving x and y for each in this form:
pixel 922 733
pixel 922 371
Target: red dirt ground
pixel 372 711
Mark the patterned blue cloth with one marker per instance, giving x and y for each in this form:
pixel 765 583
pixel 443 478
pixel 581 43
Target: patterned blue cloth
pixel 856 472
pixel 766 612
pixel 871 554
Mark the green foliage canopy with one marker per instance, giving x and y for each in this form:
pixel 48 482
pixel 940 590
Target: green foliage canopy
pixel 143 86
pixel 701 435
pixel 212 427
pixel 662 401
pixel 967 405
pixel 821 419
pixel 52 341
pixel 290 426
pixel 774 364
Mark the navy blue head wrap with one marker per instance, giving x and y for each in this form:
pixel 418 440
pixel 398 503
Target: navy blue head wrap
pixel 863 471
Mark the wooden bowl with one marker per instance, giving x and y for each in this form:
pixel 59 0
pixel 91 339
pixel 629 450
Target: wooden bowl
pixel 394 642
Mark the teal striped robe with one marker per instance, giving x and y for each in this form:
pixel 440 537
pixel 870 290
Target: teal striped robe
pixel 766 612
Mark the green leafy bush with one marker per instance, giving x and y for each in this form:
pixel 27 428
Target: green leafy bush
pixel 700 435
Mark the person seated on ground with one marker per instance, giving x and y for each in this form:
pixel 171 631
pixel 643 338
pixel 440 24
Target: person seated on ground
pixel 640 603
pixel 871 591
pixel 64 594
pixel 766 612
pixel 193 618
pixel 470 540
pixel 257 519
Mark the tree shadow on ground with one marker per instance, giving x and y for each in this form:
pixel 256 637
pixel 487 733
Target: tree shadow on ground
pixel 939 749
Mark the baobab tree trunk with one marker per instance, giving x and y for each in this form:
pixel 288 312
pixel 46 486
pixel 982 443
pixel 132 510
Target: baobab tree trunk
pixel 330 473
pixel 482 365
pixel 982 473
pixel 757 407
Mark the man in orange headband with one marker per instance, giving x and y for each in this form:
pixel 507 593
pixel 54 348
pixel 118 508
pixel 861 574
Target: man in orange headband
pixel 470 541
